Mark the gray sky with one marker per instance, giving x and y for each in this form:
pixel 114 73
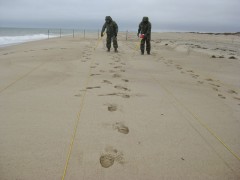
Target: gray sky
pixel 165 15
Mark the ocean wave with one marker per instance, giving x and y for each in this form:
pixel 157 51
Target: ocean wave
pixel 8 40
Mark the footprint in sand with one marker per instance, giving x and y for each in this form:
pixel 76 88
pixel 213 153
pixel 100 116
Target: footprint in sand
pixel 112 107
pixel 179 67
pixel 215 89
pixel 232 57
pixel 209 79
pixel 95 87
pixel 110 156
pixel 121 88
pixel 237 98
pixel 232 91
pixel 194 76
pixel 123 95
pixel 107 82
pixel 121 128
pixel 221 96
pixel 216 85
pixel 112 71
pixel 116 75
pixel 107 160
pixel 95 74
pixel 78 95
pixel 118 67
pixel 125 80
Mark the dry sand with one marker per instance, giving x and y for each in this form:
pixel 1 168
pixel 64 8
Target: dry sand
pixel 70 110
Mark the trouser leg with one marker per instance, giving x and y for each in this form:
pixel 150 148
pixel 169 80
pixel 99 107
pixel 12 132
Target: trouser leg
pixel 108 45
pixel 142 45
pixel 148 46
pixel 115 43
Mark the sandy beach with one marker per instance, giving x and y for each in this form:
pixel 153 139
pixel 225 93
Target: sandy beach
pixel 71 110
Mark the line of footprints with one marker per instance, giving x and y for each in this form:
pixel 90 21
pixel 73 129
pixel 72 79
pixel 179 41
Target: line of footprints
pixel 110 154
pixel 222 92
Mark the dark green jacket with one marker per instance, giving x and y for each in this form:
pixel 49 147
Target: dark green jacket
pixel 112 28
pixel 145 28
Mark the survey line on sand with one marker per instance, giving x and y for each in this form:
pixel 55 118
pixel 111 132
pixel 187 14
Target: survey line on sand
pixel 197 119
pixel 98 41
pixel 21 77
pixel 138 44
pixel 224 84
pixel 78 116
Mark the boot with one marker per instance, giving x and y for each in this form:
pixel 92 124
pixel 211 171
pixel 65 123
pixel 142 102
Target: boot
pixel 108 50
pixel 142 52
pixel 116 50
pixel 148 52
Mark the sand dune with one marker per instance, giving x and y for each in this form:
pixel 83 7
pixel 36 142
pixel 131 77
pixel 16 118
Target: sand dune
pixel 71 110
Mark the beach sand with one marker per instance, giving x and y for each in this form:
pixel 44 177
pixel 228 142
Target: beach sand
pixel 70 110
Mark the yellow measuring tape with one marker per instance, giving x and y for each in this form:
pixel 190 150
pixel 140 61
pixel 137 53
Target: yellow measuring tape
pixel 76 126
pixel 78 117
pixel 199 121
pixel 138 44
pixel 98 41
pixel 21 77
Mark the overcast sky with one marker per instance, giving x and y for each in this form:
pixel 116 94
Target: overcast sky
pixel 165 15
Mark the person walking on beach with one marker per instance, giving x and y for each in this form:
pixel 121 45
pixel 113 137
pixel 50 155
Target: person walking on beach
pixel 112 31
pixel 145 30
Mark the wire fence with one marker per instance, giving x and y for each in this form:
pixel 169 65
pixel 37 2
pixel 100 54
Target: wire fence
pixel 83 33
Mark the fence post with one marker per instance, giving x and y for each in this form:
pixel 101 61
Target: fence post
pixel 126 35
pixel 73 33
pixel 48 33
pixel 98 33
pixel 84 33
pixel 60 33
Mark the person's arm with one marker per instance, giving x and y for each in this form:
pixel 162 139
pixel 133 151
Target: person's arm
pixel 115 28
pixel 139 29
pixel 103 29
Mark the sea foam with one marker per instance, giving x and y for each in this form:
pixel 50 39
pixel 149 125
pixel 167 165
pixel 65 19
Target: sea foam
pixel 10 40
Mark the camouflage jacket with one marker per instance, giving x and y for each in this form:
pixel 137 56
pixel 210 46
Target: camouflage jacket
pixel 112 28
pixel 145 28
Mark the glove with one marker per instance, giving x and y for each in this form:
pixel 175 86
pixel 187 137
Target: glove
pixel 101 34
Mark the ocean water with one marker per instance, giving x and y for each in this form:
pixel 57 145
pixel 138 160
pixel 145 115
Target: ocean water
pixel 10 36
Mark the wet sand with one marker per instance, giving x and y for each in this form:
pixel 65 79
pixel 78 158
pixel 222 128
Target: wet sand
pixel 71 110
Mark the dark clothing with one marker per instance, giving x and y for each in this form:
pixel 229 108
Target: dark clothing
pixel 109 40
pixel 145 28
pixel 112 28
pixel 148 45
pixel 112 31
